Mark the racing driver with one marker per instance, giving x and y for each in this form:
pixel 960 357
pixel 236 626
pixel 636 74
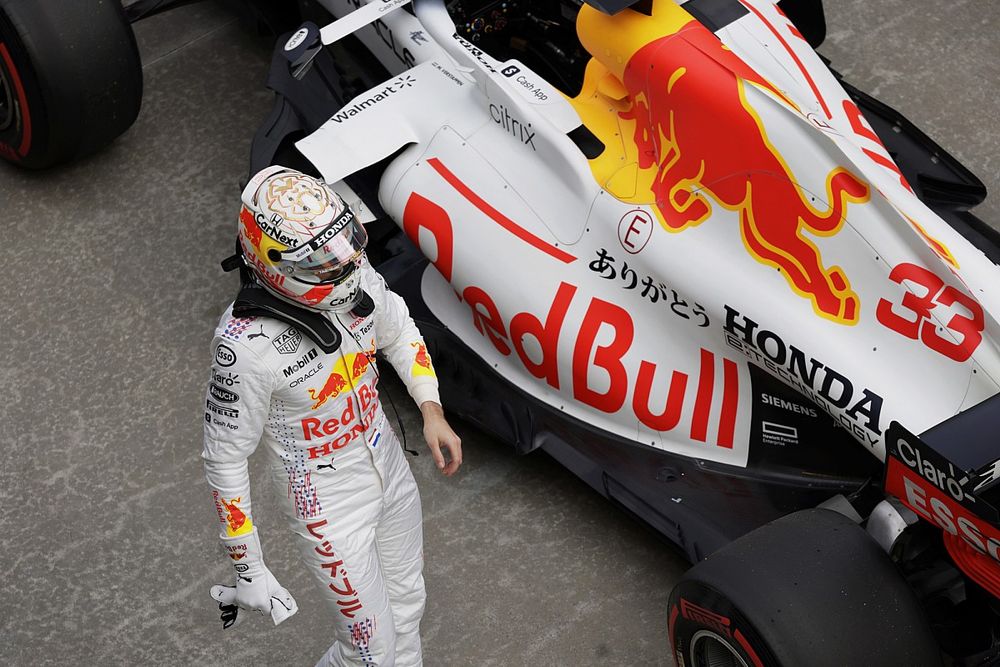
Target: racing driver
pixel 294 367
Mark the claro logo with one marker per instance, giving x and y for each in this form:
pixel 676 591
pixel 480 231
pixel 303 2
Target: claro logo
pixel 926 483
pixel 942 479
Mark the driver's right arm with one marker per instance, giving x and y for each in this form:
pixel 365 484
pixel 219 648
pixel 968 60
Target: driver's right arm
pixel 237 401
pixel 237 404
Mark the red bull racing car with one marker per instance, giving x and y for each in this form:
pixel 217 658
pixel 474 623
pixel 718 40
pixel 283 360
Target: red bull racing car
pixel 666 243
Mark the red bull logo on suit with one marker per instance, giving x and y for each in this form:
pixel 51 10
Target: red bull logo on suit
pixel 237 522
pixel 345 374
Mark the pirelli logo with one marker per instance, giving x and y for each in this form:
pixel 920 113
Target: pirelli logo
pixel 221 410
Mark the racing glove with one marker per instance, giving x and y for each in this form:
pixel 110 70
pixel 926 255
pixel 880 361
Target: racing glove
pixel 256 588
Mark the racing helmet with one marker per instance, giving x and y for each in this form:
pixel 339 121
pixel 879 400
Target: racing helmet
pixel 301 240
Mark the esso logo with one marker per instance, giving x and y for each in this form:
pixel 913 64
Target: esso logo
pixel 295 40
pixel 224 356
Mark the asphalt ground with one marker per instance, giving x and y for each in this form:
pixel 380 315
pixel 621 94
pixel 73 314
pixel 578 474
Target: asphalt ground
pixel 111 291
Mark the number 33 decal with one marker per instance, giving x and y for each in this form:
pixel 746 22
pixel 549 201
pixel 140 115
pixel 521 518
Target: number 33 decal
pixel 966 330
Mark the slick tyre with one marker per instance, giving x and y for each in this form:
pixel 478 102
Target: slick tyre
pixel 808 589
pixel 70 79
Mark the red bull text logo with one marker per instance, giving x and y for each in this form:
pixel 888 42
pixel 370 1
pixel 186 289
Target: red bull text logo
pixel 690 398
pixel 700 143
pixel 342 429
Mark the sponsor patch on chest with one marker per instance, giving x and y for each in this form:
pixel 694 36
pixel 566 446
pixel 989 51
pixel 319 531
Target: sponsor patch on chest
pixel 287 342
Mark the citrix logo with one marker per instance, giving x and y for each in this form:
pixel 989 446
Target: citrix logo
pixel 514 127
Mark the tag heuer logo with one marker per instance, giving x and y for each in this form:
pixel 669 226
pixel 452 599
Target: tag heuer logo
pixel 287 342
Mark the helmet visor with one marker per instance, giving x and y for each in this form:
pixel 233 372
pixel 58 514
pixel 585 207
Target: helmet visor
pixel 329 273
pixel 331 255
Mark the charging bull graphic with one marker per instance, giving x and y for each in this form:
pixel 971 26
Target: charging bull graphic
pixel 343 376
pixel 237 521
pixel 421 361
pixel 360 365
pixel 334 384
pixel 699 141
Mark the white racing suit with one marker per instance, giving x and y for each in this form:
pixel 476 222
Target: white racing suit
pixel 350 497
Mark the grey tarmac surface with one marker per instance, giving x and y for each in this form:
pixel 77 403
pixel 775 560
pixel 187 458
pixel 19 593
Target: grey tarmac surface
pixel 112 289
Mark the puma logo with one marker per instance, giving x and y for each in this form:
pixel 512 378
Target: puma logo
pixel 259 334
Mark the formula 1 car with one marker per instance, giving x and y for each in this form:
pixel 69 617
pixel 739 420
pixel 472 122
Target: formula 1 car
pixel 665 243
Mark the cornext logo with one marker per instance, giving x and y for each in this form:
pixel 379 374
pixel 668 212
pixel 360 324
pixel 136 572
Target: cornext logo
pixel 271 227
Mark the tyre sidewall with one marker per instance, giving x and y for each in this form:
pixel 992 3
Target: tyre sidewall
pixel 812 588
pixel 27 136
pixel 695 607
pixel 79 69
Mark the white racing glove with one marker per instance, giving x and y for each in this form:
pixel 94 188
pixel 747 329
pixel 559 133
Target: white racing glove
pixel 256 588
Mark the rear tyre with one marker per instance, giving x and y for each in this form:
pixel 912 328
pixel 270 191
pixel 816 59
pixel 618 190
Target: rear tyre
pixel 70 79
pixel 808 589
